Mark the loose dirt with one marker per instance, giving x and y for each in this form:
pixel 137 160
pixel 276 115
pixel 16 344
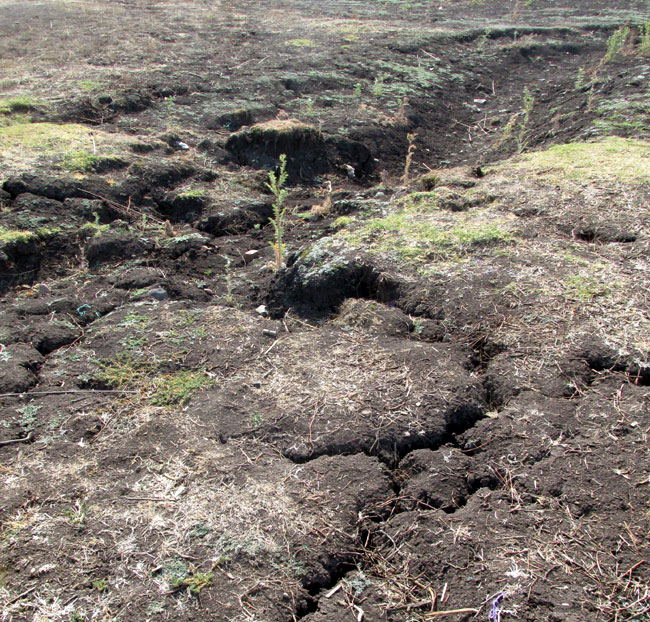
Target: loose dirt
pixel 436 407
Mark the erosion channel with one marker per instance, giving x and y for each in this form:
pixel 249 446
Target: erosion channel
pixel 428 399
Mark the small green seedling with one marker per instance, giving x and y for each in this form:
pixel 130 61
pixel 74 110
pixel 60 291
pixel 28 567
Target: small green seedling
pixel 276 186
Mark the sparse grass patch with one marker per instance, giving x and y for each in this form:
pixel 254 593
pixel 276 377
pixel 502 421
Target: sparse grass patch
pixel 177 389
pixel 194 193
pixel 415 237
pixel 14 235
pixel 95 227
pixel 134 343
pixel 188 317
pixel 88 86
pixel 161 389
pixel 10 528
pixel 426 200
pixel 302 43
pixel 79 161
pixel 342 222
pixel 22 103
pixel 613 158
pixel 135 320
pixel 24 145
pixel 123 372
pixel 624 117
pixel 583 287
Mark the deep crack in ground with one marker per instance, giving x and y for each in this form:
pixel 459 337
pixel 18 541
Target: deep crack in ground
pixel 439 406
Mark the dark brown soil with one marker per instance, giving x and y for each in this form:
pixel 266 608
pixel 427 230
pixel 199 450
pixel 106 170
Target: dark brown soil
pixel 437 407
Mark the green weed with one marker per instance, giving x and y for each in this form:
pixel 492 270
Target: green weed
pixel 76 515
pixel 195 582
pixel 101 585
pixel 276 186
pixel 230 298
pixel 307 105
pixel 175 570
pixel 581 82
pixel 378 86
pixel 134 343
pixel 644 43
pixel 521 138
pixel 187 318
pixel 483 39
pixel 155 607
pixel 615 43
pixel 29 413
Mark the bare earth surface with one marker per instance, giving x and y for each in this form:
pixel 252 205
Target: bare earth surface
pixel 438 407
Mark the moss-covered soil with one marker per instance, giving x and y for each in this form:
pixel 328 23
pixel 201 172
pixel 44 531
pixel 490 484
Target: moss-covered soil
pixel 433 404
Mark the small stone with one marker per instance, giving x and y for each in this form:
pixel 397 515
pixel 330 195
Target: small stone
pixel 250 255
pixel 158 293
pixel 261 310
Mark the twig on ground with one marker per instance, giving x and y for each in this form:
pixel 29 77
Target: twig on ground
pixel 448 612
pixel 70 391
pixel 14 441
pixel 155 499
pixel 22 595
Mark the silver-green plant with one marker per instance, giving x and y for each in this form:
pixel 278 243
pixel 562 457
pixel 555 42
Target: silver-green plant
pixel 521 138
pixel 230 298
pixel 276 186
